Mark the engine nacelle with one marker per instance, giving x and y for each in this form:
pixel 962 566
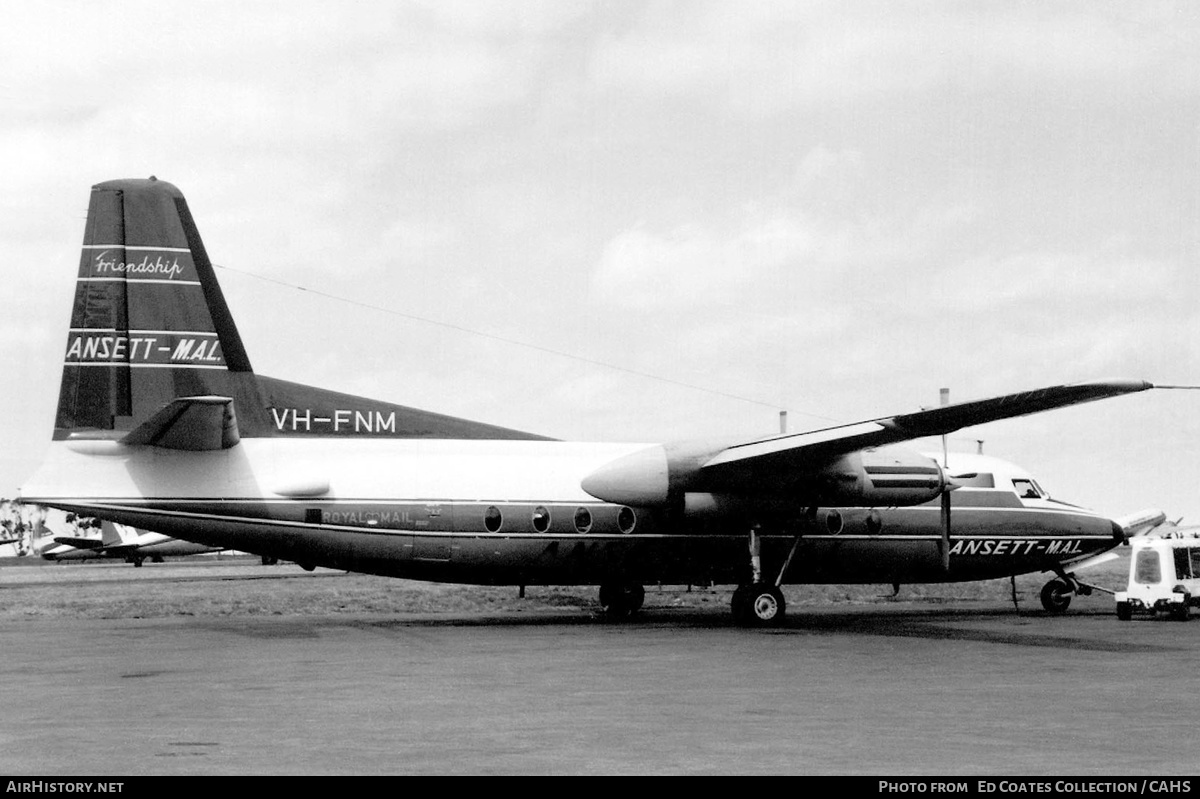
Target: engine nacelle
pixel 879 477
pixel 660 476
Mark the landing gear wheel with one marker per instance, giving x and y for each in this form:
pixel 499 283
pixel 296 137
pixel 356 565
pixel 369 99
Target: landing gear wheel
pixel 1182 611
pixel 1124 611
pixel 1056 596
pixel 759 605
pixel 621 600
pixel 737 603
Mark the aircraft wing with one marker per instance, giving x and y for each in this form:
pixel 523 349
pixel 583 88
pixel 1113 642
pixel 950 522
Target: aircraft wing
pixel 800 451
pixel 834 465
pixel 79 543
pixel 118 550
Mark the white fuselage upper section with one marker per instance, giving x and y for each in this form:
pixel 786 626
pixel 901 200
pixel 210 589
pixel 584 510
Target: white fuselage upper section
pixel 270 468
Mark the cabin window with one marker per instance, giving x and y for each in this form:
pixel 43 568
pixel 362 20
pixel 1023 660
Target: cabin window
pixel 583 520
pixel 1146 569
pixel 833 521
pixel 492 519
pixel 1183 564
pixel 626 520
pixel 1194 552
pixel 541 519
pixel 1027 489
pixel 312 515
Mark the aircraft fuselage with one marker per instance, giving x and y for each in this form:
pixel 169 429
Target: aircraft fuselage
pixel 513 513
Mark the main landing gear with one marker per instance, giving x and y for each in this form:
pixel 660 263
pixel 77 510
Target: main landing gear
pixel 621 600
pixel 758 605
pixel 761 604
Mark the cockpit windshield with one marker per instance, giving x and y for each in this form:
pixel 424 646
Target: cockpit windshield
pixel 1027 488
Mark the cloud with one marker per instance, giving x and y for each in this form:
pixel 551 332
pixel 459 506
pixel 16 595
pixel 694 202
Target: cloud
pixel 767 256
pixel 691 266
pixel 764 58
pixel 266 75
pixel 822 166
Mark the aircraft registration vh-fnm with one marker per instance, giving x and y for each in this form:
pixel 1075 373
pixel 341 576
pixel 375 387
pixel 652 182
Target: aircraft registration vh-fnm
pixel 163 425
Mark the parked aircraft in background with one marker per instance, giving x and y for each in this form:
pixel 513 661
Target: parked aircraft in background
pixel 1151 521
pixel 119 541
pixel 163 425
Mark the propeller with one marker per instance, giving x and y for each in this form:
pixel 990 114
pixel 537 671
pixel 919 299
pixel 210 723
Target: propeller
pixel 949 484
pixel 945 542
pixel 946 489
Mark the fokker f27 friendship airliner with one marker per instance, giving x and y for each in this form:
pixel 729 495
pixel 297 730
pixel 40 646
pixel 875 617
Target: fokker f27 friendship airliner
pixel 163 425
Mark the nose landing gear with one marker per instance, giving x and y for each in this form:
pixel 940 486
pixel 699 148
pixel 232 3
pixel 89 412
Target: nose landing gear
pixel 1057 594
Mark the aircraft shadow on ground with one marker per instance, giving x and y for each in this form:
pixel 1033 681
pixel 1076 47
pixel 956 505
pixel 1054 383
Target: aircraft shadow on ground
pixel 1004 627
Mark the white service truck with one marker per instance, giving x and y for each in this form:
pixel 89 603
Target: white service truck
pixel 1164 576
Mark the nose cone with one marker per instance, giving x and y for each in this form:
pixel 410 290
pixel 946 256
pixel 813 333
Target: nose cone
pixel 639 478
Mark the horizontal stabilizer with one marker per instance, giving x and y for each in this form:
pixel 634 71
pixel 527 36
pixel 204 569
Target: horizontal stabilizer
pixel 189 423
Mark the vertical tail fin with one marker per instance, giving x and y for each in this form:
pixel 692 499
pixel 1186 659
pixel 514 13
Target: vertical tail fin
pixel 150 329
pixel 149 322
pixel 111 534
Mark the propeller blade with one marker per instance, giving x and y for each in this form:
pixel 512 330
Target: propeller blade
pixel 945 542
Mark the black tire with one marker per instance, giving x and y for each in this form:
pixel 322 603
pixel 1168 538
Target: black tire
pixel 635 595
pixel 762 605
pixel 1124 611
pixel 1056 596
pixel 621 600
pixel 1182 611
pixel 737 603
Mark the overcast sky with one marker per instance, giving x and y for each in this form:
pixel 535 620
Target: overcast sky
pixel 692 215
